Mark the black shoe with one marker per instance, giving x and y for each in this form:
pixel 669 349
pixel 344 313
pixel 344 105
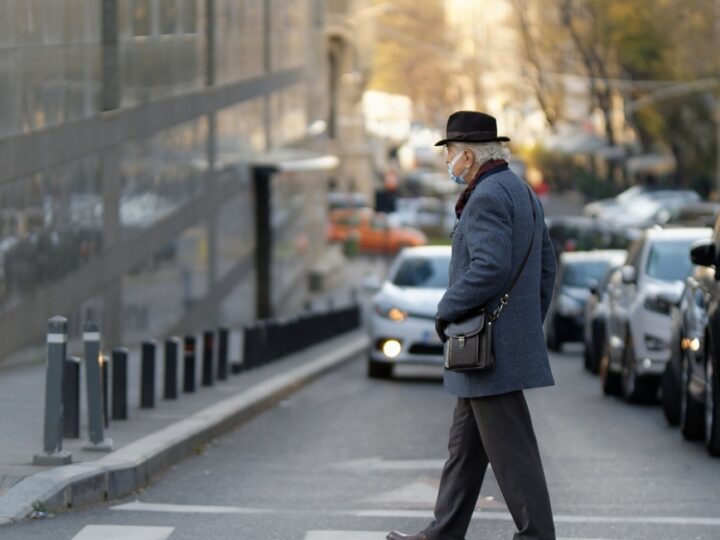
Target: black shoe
pixel 400 536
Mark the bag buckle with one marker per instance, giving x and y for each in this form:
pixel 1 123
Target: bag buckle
pixel 461 342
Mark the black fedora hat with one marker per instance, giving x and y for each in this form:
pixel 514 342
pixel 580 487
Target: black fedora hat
pixel 471 126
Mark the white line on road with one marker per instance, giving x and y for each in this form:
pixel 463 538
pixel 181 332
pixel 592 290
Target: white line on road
pixel 420 514
pixel 122 532
pixel 378 535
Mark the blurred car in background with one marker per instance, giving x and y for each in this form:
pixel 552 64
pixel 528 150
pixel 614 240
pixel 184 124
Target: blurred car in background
pixel 599 208
pixel 431 215
pixel 597 312
pixel 579 272
pixel 339 199
pixel 641 297
pixel 700 214
pixel 699 349
pixel 402 320
pixel 373 232
pixel 651 208
pixel 631 201
pixel 689 320
pixel 580 233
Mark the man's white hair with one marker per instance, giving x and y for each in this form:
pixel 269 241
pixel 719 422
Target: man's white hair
pixel 485 152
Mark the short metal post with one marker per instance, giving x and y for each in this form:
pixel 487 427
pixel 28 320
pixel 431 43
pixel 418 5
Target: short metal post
pixel 189 365
pixel 104 370
pixel 222 353
pixel 119 384
pixel 172 350
pixel 207 365
pixel 71 398
pixel 53 453
pixel 96 390
pixel 147 375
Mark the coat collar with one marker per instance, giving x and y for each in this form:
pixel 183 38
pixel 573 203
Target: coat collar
pixel 488 168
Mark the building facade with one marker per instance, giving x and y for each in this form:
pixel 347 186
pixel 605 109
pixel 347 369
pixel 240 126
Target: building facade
pixel 128 133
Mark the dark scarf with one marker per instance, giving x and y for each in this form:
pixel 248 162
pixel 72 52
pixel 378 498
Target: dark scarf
pixel 487 167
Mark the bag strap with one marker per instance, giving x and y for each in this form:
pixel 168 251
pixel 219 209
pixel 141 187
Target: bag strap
pixel 505 297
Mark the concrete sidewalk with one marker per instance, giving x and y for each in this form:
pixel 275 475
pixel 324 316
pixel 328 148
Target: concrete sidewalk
pixel 150 441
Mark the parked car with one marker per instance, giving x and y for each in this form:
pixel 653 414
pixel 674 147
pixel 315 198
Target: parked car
pixel 431 215
pixel 599 208
pixel 373 232
pixel 597 312
pixel 402 321
pixel 700 214
pixel 700 345
pixel 641 297
pixel 577 274
pixel 689 321
pixel 579 233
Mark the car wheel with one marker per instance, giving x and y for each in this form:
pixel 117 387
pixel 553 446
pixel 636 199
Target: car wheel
pixel 635 389
pixel 610 381
pixel 554 342
pixel 691 413
pixel 712 409
pixel 379 370
pixel 670 395
pixel 596 344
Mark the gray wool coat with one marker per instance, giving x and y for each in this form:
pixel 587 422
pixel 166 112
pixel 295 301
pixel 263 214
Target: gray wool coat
pixel 488 246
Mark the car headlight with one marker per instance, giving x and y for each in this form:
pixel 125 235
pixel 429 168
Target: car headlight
pixel 391 312
pixel 569 306
pixel 656 305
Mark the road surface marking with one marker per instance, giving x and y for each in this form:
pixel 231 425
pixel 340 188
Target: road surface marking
pixel 122 532
pixel 420 514
pixel 379 535
pixel 379 464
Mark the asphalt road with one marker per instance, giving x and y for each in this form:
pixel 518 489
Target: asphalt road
pixel 350 454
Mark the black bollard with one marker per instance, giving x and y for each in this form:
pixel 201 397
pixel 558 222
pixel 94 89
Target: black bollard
pixel 222 353
pixel 189 365
pixel 147 375
pixel 71 398
pixel 104 369
pixel 119 384
pixel 208 350
pixel 172 348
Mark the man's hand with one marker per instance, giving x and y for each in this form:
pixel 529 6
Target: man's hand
pixel 440 326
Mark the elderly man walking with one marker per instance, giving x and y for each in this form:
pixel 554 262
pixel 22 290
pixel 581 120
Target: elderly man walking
pixel 499 244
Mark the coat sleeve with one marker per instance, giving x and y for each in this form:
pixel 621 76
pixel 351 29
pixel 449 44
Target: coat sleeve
pixel 547 280
pixel 488 236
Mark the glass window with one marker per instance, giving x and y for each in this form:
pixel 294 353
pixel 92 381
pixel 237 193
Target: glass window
pixel 584 274
pixel 141 18
pixel 426 272
pixel 189 16
pixel 669 261
pixel 168 16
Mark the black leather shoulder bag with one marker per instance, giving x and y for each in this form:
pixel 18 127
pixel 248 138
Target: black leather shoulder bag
pixel 469 345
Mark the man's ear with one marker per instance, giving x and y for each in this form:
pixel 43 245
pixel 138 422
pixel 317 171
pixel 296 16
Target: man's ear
pixel 469 158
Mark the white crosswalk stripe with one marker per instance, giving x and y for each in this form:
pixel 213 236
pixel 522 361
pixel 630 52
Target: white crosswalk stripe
pixel 123 532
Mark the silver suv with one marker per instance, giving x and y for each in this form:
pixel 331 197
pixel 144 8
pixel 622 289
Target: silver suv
pixel 641 296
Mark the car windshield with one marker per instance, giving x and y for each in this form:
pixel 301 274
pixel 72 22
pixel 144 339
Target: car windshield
pixel 427 272
pixel 584 273
pixel 669 261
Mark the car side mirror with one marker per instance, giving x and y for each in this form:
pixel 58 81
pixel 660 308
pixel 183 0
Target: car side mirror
pixel 628 274
pixel 703 253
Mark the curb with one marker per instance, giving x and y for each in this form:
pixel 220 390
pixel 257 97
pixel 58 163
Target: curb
pixel 125 470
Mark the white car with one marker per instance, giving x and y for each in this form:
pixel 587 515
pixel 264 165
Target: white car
pixel 402 321
pixel 641 296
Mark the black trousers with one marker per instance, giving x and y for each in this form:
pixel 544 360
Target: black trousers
pixel 496 430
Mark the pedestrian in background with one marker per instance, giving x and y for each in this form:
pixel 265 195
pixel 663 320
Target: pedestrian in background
pixel 491 422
